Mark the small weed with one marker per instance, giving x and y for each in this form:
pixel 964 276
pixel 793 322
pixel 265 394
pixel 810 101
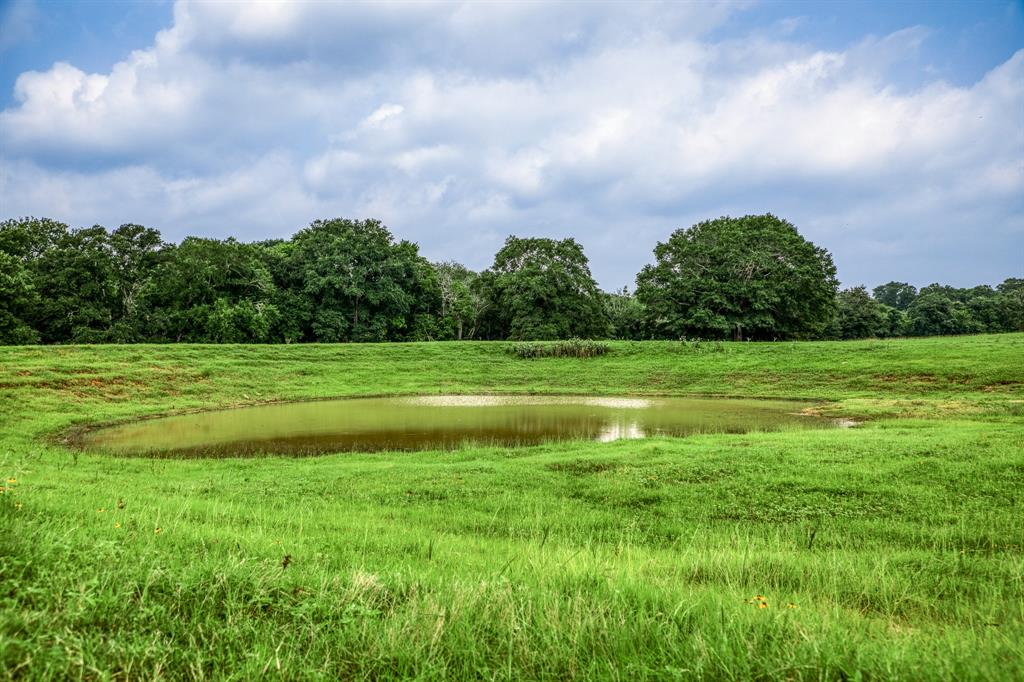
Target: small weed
pixel 578 467
pixel 701 346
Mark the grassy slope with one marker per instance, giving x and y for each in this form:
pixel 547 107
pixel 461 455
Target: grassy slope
pixel 900 542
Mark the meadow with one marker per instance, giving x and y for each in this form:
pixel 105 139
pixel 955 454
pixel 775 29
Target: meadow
pixel 891 550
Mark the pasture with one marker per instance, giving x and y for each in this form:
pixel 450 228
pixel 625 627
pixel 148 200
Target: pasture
pixel 891 550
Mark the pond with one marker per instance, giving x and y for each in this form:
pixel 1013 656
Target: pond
pixel 438 422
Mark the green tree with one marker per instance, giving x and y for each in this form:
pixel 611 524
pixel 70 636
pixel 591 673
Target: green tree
pixel 462 303
pixel 625 314
pixel 363 285
pixel 898 295
pixel 18 298
pixel 934 312
pixel 23 241
pixel 952 293
pixel 208 290
pixel 295 308
pixel 1012 292
pixel 28 238
pixel 751 277
pixel 135 252
pixel 244 321
pixel 542 289
pixel 91 278
pixel 897 320
pixel 987 308
pixel 76 273
pixel 859 316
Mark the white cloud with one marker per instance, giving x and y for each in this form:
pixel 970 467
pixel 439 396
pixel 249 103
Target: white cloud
pixel 458 124
pixel 379 117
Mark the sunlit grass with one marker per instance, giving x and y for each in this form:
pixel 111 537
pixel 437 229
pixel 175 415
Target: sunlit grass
pixel 899 543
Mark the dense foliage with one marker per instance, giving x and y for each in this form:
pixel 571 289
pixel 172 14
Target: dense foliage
pixel 543 289
pixel 899 309
pixel 355 283
pixel 340 280
pixel 751 277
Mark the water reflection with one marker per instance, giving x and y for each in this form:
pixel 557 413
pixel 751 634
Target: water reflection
pixel 431 422
pixel 620 431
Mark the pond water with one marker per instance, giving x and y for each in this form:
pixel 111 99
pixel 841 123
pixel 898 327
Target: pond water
pixel 432 422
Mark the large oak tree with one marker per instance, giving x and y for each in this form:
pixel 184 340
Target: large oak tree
pixel 752 277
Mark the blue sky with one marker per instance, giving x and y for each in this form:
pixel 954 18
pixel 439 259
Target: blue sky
pixel 890 133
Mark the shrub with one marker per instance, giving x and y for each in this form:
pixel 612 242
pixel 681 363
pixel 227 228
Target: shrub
pixel 570 348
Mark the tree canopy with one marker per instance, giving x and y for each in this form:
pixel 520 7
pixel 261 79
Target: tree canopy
pixel 462 301
pixel 543 289
pixel 361 284
pixel 859 316
pixel 898 295
pixel 751 277
pixel 344 280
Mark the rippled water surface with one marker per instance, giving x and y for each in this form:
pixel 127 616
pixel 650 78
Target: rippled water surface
pixel 423 423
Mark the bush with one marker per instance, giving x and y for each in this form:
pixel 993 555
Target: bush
pixel 701 346
pixel 571 348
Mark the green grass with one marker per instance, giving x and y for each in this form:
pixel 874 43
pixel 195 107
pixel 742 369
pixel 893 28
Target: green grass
pixel 901 541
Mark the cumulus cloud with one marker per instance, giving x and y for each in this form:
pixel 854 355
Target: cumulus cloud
pixel 461 123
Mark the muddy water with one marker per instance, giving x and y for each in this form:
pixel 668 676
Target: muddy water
pixel 423 423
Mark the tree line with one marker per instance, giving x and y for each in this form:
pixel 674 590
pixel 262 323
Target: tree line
pixel 341 280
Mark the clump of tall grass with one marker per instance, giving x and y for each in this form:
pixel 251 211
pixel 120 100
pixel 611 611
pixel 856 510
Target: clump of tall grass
pixel 570 348
pixel 701 346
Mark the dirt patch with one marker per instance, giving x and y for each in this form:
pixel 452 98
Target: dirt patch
pixel 1003 386
pixel 915 378
pixel 75 383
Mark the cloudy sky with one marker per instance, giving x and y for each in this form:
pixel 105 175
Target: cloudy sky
pixel 892 134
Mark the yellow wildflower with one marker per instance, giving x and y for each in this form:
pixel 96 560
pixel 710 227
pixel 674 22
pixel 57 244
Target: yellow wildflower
pixel 762 604
pixel 12 479
pixel 790 605
pixel 158 530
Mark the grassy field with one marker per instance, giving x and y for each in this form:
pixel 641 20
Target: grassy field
pixel 893 550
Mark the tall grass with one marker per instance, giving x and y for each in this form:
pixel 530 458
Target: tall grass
pixel 570 348
pixel 899 543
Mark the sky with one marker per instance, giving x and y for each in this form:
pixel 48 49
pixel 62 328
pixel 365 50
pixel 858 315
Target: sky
pixel 890 133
